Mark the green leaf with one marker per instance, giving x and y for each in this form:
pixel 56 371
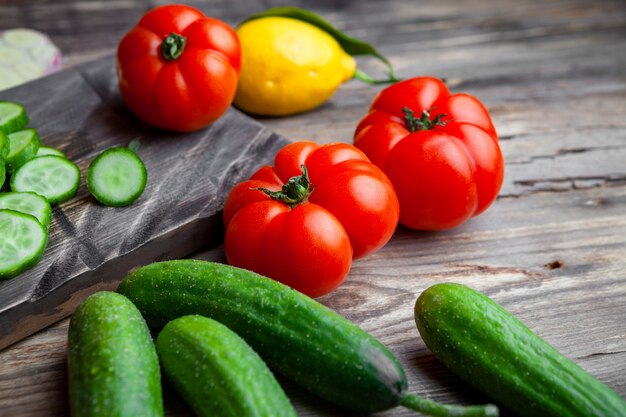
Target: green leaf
pixel 351 45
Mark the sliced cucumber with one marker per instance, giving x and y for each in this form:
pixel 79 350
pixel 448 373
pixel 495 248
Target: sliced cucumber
pixel 55 178
pixel 28 203
pixel 3 173
pixel 46 150
pixel 117 177
pixel 4 146
pixel 4 152
pixel 23 146
pixel 13 117
pixel 23 242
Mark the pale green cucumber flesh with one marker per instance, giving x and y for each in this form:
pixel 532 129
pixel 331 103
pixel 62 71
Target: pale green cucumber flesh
pixel 496 353
pixel 47 150
pixel 297 337
pixel 217 373
pixel 113 367
pixel 55 178
pixel 28 203
pixel 117 177
pixel 23 146
pixel 23 241
pixel 13 117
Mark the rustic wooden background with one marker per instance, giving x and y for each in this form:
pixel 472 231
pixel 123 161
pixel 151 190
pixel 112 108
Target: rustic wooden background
pixel 552 249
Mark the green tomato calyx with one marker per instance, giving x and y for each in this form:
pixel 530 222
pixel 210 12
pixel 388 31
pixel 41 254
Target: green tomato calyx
pixel 295 191
pixel 424 122
pixel 173 46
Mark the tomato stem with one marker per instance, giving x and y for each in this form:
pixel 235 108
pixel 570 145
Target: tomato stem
pixel 295 191
pixel 424 122
pixel 173 46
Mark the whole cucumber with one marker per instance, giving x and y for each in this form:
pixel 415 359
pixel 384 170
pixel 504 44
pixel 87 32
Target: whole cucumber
pixel 217 373
pixel 113 365
pixel 298 337
pixel 489 348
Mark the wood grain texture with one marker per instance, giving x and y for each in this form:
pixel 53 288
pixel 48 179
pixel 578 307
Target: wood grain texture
pixel 552 74
pixel 92 247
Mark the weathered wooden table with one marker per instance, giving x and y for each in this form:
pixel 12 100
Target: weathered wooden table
pixel 552 249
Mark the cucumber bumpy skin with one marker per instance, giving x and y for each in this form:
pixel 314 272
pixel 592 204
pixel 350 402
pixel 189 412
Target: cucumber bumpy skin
pixel 217 373
pixel 113 364
pixel 496 353
pixel 297 337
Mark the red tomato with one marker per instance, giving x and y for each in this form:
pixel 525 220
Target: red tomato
pixel 440 151
pixel 320 207
pixel 178 69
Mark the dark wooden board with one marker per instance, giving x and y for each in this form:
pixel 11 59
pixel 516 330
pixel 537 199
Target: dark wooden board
pixel 91 247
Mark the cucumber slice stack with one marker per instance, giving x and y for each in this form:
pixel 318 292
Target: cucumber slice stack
pixel 41 176
pixel 28 203
pixel 25 214
pixel 23 242
pixel 117 177
pixel 53 177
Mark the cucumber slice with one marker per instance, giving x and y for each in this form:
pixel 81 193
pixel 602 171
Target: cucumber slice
pixel 23 38
pixel 117 177
pixel 28 203
pixel 46 150
pixel 55 178
pixel 3 173
pixel 4 146
pixel 23 146
pixel 12 117
pixel 4 152
pixel 23 242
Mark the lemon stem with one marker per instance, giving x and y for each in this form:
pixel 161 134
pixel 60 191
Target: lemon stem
pixel 361 76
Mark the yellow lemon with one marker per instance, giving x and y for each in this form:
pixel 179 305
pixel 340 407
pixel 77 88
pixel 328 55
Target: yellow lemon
pixel 288 66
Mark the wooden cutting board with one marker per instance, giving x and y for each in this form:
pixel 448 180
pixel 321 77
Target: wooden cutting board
pixel 92 247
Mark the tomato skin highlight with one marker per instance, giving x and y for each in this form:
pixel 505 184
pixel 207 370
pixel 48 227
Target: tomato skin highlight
pixel 440 151
pixel 186 92
pixel 349 211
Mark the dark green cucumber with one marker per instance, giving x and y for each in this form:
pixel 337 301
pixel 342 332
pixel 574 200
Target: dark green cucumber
pixel 113 365
pixel 217 373
pixel 492 350
pixel 295 335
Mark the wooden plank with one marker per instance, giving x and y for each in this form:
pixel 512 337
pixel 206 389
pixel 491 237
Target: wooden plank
pixel 551 74
pixel 501 254
pixel 91 247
